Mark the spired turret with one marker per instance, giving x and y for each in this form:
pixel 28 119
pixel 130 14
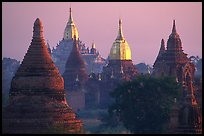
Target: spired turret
pixel 120 61
pixel 120 49
pixel 70 30
pixel 174 62
pixel 37 102
pixel 161 52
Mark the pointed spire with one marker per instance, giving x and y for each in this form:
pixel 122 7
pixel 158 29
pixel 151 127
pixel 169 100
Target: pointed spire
pixel 38 29
pixel 174 27
pixel 162 48
pixel 120 33
pixel 70 15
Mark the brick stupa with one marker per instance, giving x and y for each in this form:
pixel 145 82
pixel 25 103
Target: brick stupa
pixel 75 69
pixel 75 77
pixel 37 102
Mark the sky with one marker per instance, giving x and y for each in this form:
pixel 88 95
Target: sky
pixel 144 25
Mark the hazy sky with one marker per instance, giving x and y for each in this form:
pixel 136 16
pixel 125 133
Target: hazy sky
pixel 144 25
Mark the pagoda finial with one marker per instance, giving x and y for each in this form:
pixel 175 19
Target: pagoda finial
pixel 174 27
pixel 120 33
pixel 38 29
pixel 70 14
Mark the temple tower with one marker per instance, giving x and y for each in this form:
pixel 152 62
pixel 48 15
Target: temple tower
pixel 75 77
pixel 174 62
pixel 120 62
pixel 70 29
pixel 119 68
pixel 63 49
pixel 75 69
pixel 37 102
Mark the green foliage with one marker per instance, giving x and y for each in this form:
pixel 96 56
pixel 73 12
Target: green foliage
pixel 144 104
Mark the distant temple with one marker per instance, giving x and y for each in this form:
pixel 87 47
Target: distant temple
pixel 93 90
pixel 37 102
pixel 75 77
pixel 93 60
pixel 186 117
pixel 120 64
pixel 119 68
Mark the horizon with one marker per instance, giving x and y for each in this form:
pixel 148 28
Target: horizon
pixel 98 22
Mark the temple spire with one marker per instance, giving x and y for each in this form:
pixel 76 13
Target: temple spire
pixel 120 33
pixel 174 27
pixel 38 29
pixel 162 48
pixel 70 15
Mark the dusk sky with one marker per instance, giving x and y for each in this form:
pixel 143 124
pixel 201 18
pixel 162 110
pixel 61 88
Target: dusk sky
pixel 144 25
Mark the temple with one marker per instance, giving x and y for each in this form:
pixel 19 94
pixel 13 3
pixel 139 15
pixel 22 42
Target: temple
pixel 119 68
pixel 120 64
pixel 186 116
pixel 75 77
pixel 37 100
pixel 60 54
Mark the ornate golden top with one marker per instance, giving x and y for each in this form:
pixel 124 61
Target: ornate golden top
pixel 120 49
pixel 70 29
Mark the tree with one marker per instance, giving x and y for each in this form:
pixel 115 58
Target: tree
pixel 144 104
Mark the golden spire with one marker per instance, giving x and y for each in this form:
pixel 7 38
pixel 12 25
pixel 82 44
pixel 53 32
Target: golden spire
pixel 120 33
pixel 120 49
pixel 70 29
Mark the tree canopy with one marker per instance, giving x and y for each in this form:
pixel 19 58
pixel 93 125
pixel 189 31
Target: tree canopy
pixel 144 104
